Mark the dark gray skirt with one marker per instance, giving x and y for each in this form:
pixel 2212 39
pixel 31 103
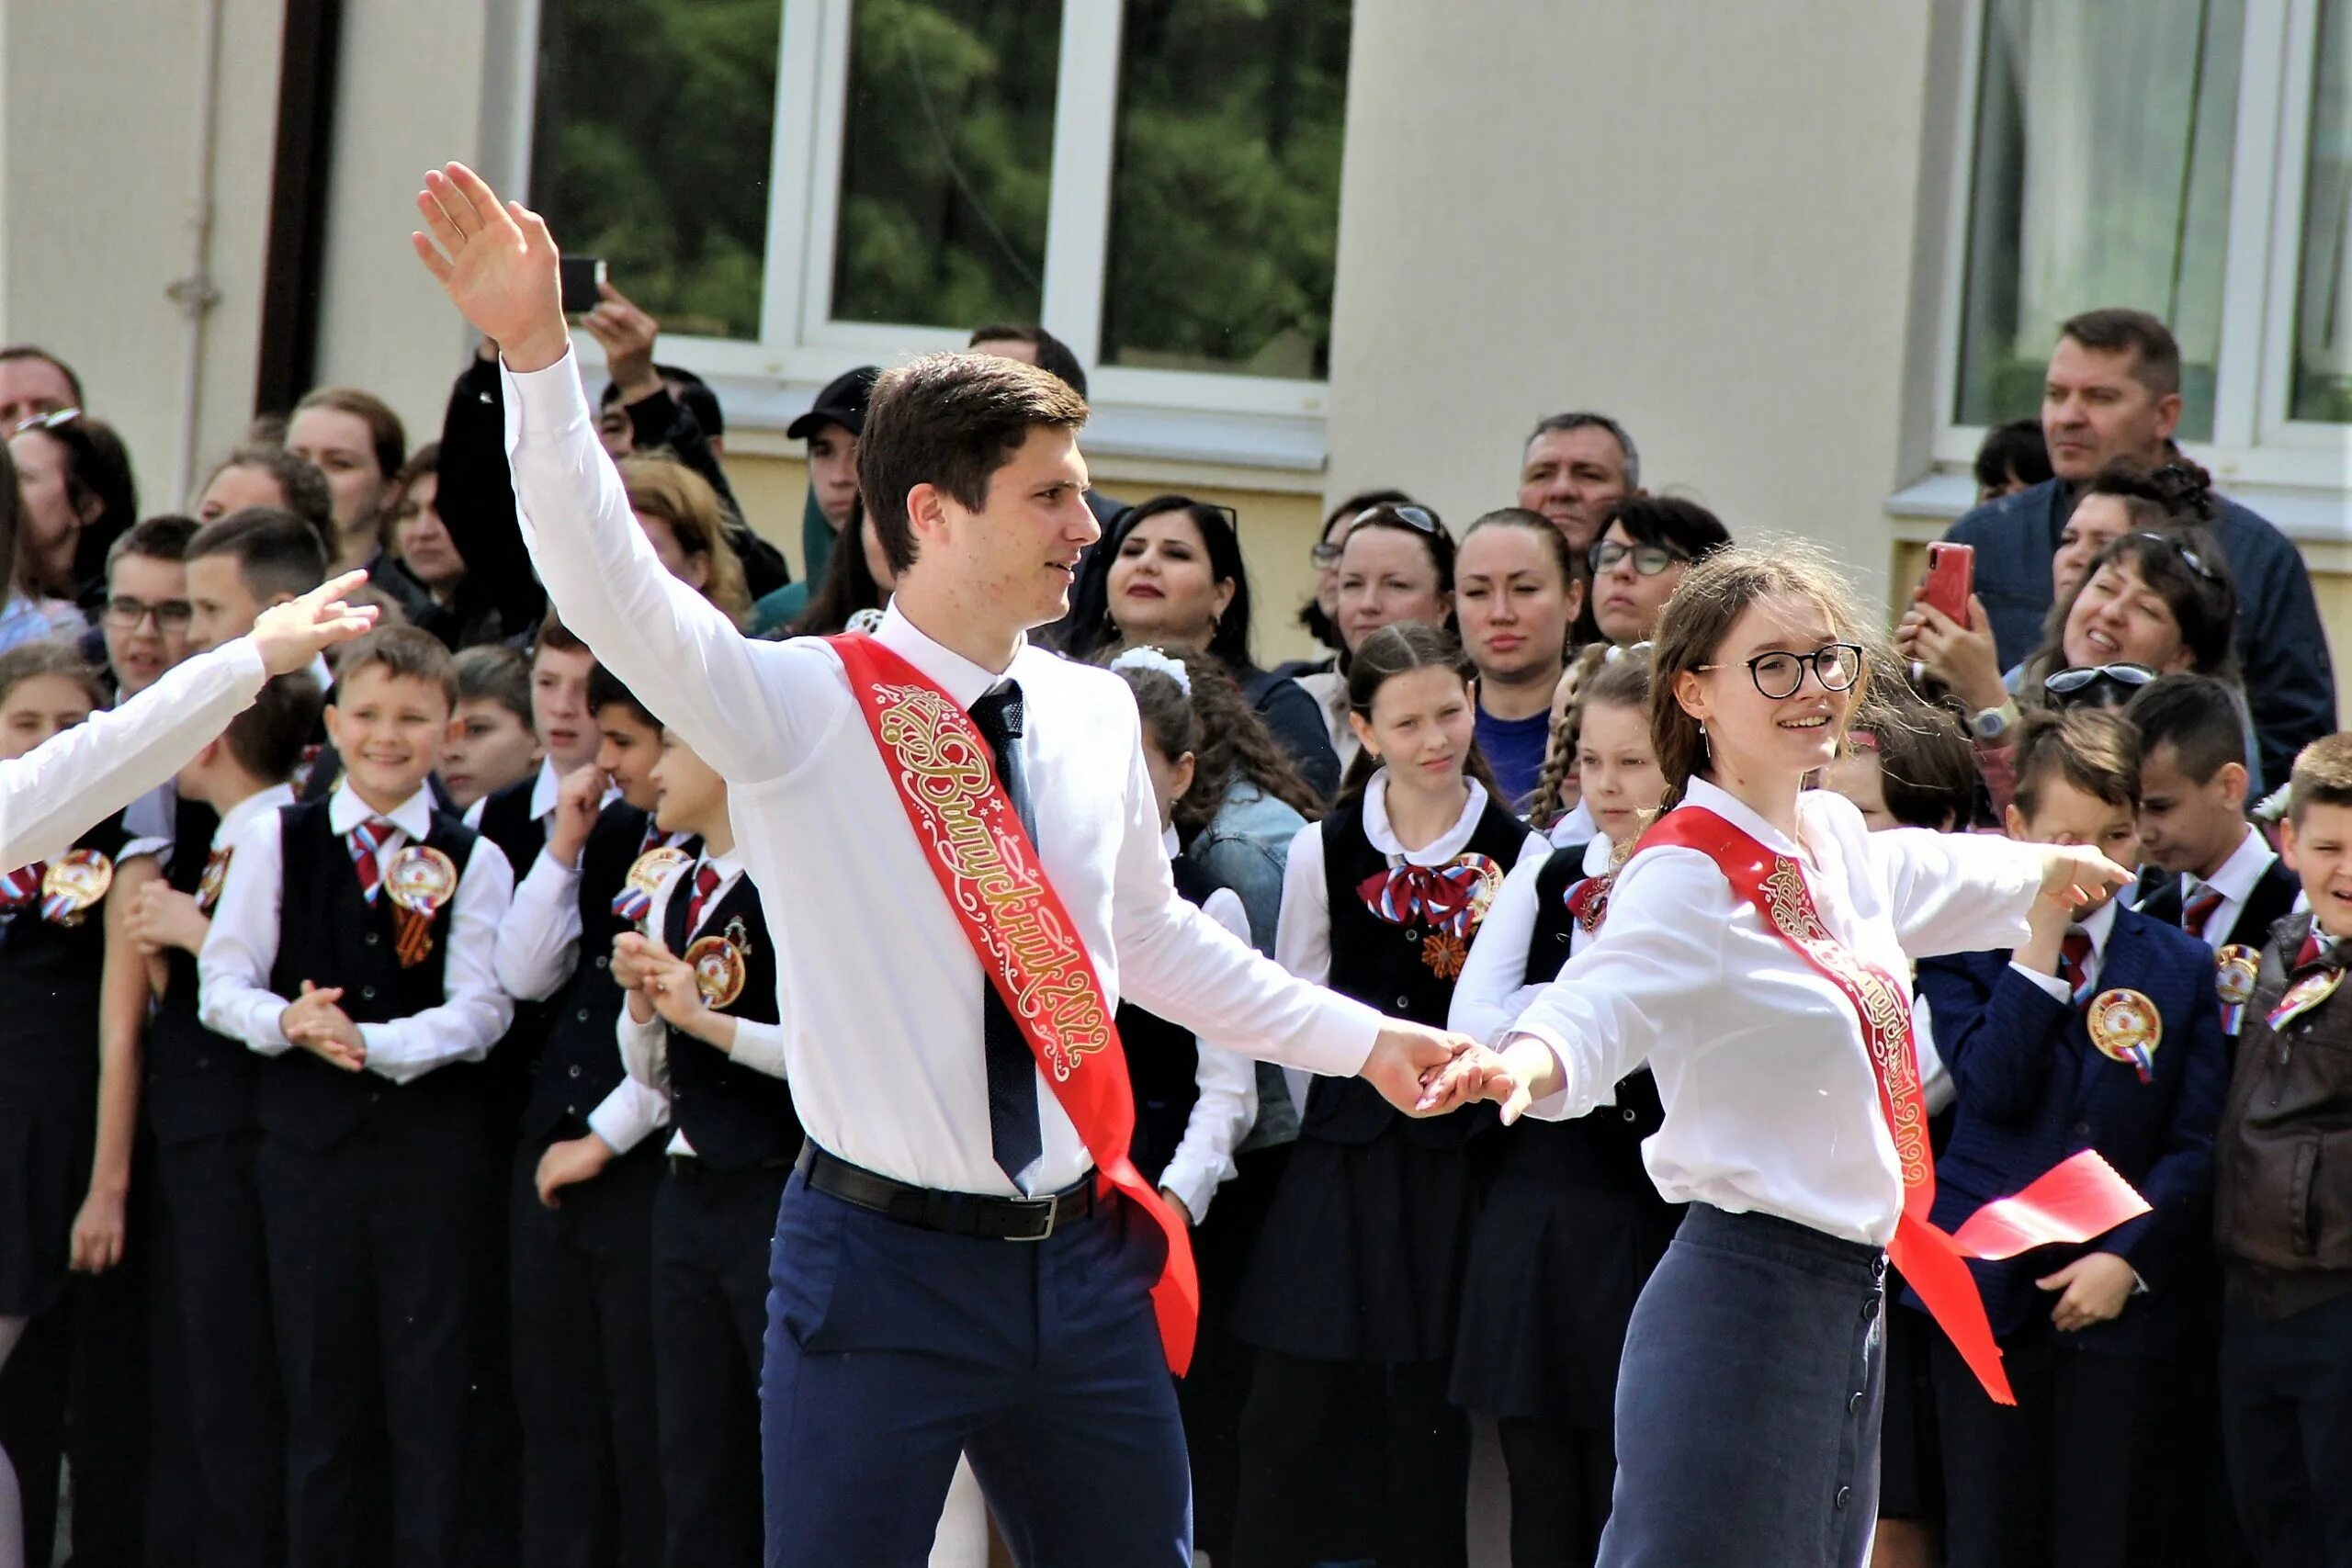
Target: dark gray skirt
pixel 1748 1405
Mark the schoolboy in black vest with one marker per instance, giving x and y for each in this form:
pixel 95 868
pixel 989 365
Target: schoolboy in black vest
pixel 701 1026
pixel 586 1168
pixel 199 1099
pixel 352 947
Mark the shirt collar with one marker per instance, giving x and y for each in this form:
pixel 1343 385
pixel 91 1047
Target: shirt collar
pixel 2098 925
pixel 2238 875
pixel 964 681
pixel 1596 856
pixel 1729 806
pixel 1438 851
pixel 234 820
pixel 729 865
pixel 318 670
pixel 1171 843
pixel 414 816
pixel 546 789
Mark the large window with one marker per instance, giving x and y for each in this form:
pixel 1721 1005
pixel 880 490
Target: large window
pixel 808 183
pixel 2191 159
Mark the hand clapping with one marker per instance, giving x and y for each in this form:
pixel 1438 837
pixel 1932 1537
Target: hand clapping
pixel 317 1025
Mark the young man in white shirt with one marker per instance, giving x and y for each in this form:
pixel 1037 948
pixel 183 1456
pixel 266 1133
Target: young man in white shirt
pixel 935 1328
pixel 2222 882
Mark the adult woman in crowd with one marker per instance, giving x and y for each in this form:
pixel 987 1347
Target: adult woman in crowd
pixel 855 581
pixel 1319 614
pixel 268 475
pixel 422 567
pixel 358 443
pixel 24 616
pixel 1638 561
pixel 75 481
pixel 1177 580
pixel 1517 589
pixel 1395 564
pixel 683 519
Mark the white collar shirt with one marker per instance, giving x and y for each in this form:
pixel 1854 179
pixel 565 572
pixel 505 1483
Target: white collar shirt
pixel 882 989
pixel 1771 1102
pixel 2236 880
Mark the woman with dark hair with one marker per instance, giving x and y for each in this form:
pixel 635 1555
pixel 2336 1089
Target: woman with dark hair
pixel 1638 561
pixel 79 496
pixel 1517 589
pixel 1395 564
pixel 24 618
pixel 856 581
pixel 1177 580
pixel 2013 457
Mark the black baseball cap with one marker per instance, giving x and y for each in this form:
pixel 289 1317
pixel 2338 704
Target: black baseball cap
pixel 842 403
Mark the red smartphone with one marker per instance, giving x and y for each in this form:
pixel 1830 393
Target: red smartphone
pixel 1951 577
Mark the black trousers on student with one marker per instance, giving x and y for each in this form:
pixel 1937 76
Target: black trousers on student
pixel 370 1267
pixel 1303 1422
pixel 2287 1426
pixel 2078 1473
pixel 1561 1477
pixel 227 1359
pixel 711 1231
pixel 581 1291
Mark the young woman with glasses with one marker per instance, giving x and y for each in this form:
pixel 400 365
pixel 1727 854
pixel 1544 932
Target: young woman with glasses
pixel 1755 954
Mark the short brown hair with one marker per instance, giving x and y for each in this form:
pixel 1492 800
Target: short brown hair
pixel 496 672
pixel 2092 749
pixel 50 656
pixel 409 651
pixel 268 738
pixel 662 487
pixel 2155 363
pixel 387 438
pixel 553 633
pixel 950 421
pixel 2322 776
pixel 157 538
pixel 1926 770
pixel 275 551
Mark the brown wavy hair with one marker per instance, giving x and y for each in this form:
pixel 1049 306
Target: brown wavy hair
pixel 664 487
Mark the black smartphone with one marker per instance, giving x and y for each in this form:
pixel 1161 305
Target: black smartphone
pixel 584 278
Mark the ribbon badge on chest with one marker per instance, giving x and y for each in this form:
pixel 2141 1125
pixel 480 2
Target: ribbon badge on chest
pixel 208 886
pixel 2306 994
pixel 718 963
pixel 421 880
pixel 1447 900
pixel 2236 967
pixel 73 887
pixel 2125 1027
pixel 635 901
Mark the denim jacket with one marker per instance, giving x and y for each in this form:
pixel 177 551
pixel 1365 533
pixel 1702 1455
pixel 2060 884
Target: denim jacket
pixel 1244 848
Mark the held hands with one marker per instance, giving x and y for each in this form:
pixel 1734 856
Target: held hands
pixel 496 263
pixel 2097 1286
pixel 289 635
pixel 662 985
pixel 570 1163
pixel 1962 657
pixel 577 802
pixel 161 916
pixel 1414 1067
pixel 314 1022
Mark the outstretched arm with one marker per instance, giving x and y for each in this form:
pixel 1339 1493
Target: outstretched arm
pixel 675 649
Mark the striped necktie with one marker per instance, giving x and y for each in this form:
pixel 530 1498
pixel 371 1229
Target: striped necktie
pixel 2075 963
pixel 366 840
pixel 2199 910
pixel 21 887
pixel 705 884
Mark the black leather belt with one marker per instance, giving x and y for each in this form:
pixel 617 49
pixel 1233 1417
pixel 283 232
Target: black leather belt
pixel 957 1213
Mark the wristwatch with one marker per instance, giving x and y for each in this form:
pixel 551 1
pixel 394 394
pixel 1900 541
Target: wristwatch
pixel 1990 724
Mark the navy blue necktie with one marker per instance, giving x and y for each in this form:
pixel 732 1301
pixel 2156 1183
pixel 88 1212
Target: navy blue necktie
pixel 1014 1137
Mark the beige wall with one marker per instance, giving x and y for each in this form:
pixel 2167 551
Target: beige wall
pixel 98 158
pixel 1697 218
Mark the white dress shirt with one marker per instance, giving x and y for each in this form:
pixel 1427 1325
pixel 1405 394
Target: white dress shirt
pixel 1574 828
pixel 52 793
pixel 1227 1080
pixel 1495 987
pixel 2236 880
pixel 234 997
pixel 1771 1103
pixel 547 787
pixel 884 1031
pixel 645 1047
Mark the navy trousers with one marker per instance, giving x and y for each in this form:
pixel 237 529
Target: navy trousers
pixel 1748 1401
pixel 891 1349
pixel 2287 1425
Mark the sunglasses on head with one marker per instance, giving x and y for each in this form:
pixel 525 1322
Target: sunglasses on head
pixel 1414 517
pixel 2106 685
pixel 50 421
pixel 2195 562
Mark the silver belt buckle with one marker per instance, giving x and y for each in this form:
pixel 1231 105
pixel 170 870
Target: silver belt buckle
pixel 1051 1208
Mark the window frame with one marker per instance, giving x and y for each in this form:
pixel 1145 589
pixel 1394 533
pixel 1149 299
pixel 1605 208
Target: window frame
pixel 2254 443
pixel 1244 421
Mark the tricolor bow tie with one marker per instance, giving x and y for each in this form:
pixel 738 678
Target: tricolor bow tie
pixel 1441 895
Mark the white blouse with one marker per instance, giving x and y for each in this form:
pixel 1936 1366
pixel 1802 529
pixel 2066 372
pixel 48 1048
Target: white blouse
pixel 1495 987
pixel 1771 1104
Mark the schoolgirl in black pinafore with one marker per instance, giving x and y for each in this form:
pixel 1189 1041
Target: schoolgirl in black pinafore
pixel 1571 1229
pixel 49 974
pixel 1351 1295
pixel 1163 1060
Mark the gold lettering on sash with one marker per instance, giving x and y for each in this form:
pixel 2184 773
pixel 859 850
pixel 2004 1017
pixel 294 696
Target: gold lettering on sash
pixel 949 782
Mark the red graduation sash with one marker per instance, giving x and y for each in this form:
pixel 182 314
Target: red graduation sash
pixel 2079 1199
pixel 946 778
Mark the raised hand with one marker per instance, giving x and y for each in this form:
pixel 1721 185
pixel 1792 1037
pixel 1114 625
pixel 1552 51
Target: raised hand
pixel 627 335
pixel 577 803
pixel 289 635
pixel 496 263
pixel 2076 875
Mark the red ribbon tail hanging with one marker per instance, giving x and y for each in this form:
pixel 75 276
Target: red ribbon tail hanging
pixel 1176 1295
pixel 1931 1265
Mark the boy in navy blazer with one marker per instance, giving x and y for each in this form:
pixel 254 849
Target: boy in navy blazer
pixel 2103 1032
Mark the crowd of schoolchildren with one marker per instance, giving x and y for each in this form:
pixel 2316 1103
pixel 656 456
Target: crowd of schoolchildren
pixel 392 1109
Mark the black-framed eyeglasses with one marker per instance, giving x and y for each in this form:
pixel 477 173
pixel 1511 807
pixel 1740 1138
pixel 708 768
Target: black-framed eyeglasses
pixel 1325 556
pixel 125 613
pixel 1780 674
pixel 2195 562
pixel 2104 685
pixel 50 421
pixel 1420 519
pixel 1648 559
